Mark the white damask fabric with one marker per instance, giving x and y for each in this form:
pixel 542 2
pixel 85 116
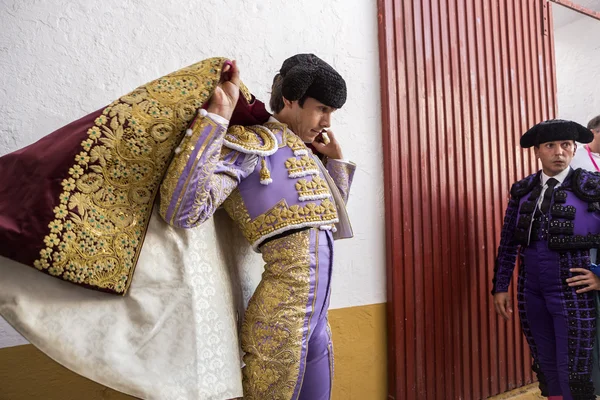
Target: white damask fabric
pixel 174 336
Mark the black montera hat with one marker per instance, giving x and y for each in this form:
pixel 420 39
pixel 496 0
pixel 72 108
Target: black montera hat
pixel 308 75
pixel 556 129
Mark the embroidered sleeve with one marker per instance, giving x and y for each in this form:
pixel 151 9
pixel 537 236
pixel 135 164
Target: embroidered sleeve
pixel 507 251
pixel 201 175
pixel 342 173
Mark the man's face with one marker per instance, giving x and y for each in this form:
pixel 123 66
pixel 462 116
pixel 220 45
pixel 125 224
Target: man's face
pixel 309 120
pixel 555 156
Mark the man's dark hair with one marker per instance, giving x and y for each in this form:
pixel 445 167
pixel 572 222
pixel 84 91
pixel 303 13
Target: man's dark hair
pixel 594 123
pixel 276 101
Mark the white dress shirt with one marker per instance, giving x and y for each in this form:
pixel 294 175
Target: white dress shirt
pixel 560 178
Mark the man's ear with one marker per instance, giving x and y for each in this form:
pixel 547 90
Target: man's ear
pixel 286 102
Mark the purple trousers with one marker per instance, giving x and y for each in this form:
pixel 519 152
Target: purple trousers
pixel 285 334
pixel 558 323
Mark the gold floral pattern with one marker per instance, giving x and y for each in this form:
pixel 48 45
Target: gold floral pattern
pixel 288 138
pixel 278 217
pixel 342 173
pixel 274 320
pixel 314 189
pixel 180 161
pixel 303 166
pixel 293 141
pixel 254 139
pixel 107 197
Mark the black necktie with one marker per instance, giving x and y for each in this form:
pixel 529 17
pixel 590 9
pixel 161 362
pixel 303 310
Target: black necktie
pixel 548 195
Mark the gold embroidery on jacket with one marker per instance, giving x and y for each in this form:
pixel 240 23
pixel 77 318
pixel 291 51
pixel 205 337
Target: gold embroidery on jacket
pixel 106 201
pixel 303 166
pixel 341 173
pixel 314 189
pixel 254 139
pixel 279 127
pixel 280 216
pixel 179 163
pixel 294 142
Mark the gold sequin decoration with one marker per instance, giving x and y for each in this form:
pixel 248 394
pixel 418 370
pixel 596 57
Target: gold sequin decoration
pixel 280 216
pixel 294 142
pixel 302 166
pixel 251 139
pixel 289 138
pixel 106 202
pixel 274 321
pixel 312 189
pixel 265 174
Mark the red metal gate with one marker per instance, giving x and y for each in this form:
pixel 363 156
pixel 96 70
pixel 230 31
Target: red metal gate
pixel 461 81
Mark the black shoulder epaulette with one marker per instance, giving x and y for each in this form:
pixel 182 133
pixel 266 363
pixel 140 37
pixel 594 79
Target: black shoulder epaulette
pixel 586 185
pixel 524 186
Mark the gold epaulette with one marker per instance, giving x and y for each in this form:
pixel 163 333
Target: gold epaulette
pixel 255 139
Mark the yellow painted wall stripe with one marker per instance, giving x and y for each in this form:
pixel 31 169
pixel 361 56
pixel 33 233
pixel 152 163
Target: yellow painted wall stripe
pixel 359 342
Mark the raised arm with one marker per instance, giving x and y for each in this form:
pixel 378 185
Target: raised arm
pixel 202 174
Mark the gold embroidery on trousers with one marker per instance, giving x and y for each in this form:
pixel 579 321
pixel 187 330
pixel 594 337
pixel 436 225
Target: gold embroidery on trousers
pixel 272 330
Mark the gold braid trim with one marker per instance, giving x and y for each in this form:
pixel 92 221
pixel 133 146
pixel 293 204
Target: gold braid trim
pixel 279 217
pixel 254 139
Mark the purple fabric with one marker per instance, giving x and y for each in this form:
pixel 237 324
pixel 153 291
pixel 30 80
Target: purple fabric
pixel 314 380
pixel 558 323
pixel 507 251
pixel 188 180
pixel 342 174
pixel 312 305
pixel 585 223
pixel 260 198
pixel 198 178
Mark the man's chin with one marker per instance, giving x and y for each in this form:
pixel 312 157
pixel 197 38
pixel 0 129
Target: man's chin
pixel 558 168
pixel 309 139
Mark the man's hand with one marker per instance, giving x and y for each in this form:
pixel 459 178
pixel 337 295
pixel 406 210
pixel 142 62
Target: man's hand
pixel 503 305
pixel 331 149
pixel 586 278
pixel 226 94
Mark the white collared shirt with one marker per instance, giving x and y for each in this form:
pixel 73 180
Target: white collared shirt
pixel 560 178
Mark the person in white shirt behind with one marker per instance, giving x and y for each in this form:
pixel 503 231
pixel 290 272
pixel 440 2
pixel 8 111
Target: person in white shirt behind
pixel 588 155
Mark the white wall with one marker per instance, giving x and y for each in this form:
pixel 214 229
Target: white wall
pixel 577 47
pixel 63 59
